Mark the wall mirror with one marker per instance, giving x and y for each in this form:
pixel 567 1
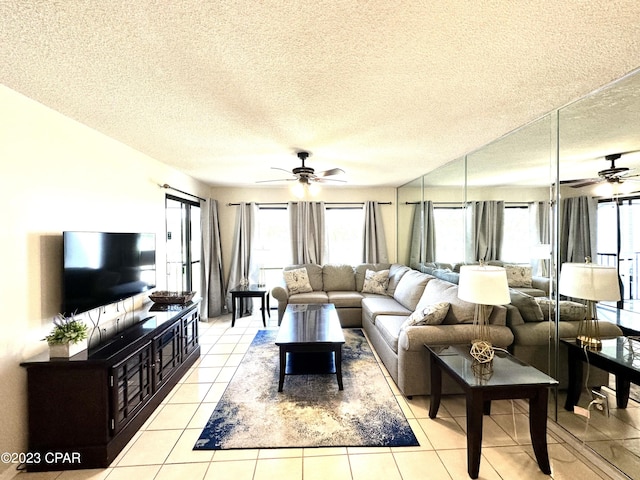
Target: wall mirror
pixel 601 133
pixel 563 155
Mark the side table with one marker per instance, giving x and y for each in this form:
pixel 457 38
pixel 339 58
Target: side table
pixel 510 379
pixel 250 291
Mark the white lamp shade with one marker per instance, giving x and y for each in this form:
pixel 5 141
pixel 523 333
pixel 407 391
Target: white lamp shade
pixel 485 285
pixel 589 282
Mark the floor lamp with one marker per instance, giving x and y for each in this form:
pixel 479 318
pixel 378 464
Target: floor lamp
pixel 593 283
pixel 485 286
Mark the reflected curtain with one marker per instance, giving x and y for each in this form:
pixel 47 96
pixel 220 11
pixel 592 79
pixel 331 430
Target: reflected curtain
pixel 242 267
pixel 540 228
pixel 374 241
pixel 423 235
pixel 485 230
pixel 308 235
pixel 577 229
pixel 212 280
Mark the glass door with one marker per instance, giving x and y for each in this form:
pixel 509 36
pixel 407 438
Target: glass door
pixel 183 244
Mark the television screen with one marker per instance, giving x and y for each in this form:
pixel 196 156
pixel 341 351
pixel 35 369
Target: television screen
pixel 102 268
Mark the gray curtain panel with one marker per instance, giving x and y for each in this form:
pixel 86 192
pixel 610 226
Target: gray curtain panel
pixel 375 243
pixel 212 281
pixel 423 235
pixel 308 235
pixel 242 267
pixel 485 230
pixel 539 219
pixel 577 229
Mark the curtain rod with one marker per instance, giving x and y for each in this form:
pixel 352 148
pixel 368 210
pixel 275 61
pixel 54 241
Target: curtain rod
pixel 169 187
pixel 523 204
pixel 284 204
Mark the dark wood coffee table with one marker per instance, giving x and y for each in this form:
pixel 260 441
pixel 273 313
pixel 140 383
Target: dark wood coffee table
pixel 310 329
pixel 510 379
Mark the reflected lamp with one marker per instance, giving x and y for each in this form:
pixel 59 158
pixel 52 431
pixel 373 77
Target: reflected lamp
pixel 593 283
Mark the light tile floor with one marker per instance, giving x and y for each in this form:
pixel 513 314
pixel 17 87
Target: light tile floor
pixel 162 449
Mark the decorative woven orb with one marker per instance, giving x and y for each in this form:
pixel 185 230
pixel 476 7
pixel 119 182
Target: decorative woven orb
pixel 482 351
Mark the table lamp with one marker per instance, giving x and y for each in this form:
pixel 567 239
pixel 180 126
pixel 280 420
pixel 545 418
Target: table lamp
pixel 485 286
pixel 593 283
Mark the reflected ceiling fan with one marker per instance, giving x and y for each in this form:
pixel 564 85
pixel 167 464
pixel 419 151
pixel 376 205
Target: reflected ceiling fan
pixel 613 174
pixel 307 175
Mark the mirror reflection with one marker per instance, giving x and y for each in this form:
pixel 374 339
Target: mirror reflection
pixel 599 217
pixel 558 190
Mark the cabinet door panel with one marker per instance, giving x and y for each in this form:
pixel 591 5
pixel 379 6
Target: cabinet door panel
pixel 131 385
pixel 167 354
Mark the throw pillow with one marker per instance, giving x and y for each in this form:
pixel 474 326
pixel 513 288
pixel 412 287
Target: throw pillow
pixel 529 308
pixel 569 311
pixel 518 275
pixel 297 281
pixel 430 315
pixel 376 282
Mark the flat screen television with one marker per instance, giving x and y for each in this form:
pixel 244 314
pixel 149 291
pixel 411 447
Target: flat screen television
pixel 101 268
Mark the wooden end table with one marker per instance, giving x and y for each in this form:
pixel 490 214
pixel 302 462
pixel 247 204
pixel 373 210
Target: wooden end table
pixel 510 379
pixel 616 356
pixel 250 291
pixel 310 329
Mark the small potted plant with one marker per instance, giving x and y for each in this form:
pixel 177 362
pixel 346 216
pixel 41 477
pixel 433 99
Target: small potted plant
pixel 67 338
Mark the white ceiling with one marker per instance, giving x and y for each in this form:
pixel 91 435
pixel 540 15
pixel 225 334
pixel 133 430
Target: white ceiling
pixel 384 90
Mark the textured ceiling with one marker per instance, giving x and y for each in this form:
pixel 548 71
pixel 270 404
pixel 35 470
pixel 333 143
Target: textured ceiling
pixel 385 90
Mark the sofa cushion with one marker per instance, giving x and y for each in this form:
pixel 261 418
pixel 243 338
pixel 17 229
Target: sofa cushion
pixel 309 297
pixel 529 308
pixel 389 327
pixel 396 271
pixel 410 288
pixel 376 282
pixel 343 299
pixel 518 275
pixel 429 315
pixel 372 306
pixel 568 310
pixel 338 277
pixel 297 281
pixel 361 271
pixel 314 272
pixel 459 311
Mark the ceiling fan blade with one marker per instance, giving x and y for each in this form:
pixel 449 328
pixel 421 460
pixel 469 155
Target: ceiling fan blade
pixel 325 180
pixel 328 173
pixel 579 183
pixel 278 180
pixel 283 170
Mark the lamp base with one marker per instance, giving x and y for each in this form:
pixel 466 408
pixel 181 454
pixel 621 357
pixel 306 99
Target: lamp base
pixel 592 343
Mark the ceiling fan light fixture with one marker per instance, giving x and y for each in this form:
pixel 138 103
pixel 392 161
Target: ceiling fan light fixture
pixel 304 188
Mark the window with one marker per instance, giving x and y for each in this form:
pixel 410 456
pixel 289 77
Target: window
pixel 345 228
pixel 618 243
pixel 516 242
pixel 183 244
pixel 272 244
pixel 449 227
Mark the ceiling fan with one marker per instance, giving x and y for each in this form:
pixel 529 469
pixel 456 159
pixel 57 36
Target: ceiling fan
pixel 612 174
pixel 307 175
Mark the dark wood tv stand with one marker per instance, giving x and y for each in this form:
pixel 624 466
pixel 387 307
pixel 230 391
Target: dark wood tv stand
pixel 84 410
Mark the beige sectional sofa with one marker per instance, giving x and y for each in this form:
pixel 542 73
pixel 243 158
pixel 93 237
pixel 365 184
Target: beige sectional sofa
pixel 522 327
pixel 382 315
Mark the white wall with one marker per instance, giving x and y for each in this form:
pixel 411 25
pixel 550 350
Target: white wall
pixel 282 194
pixel 56 175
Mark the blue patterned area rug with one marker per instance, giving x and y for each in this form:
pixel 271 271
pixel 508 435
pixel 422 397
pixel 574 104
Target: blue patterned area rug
pixel 310 411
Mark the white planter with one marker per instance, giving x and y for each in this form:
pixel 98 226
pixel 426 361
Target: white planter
pixel 66 350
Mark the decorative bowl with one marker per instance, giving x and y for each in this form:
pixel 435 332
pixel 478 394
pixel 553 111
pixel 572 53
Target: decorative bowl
pixel 167 297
